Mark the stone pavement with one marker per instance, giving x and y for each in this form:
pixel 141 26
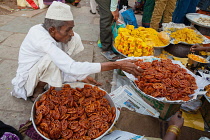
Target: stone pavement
pixel 13 29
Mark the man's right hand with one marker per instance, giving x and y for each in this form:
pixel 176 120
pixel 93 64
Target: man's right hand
pixel 130 67
pixel 196 47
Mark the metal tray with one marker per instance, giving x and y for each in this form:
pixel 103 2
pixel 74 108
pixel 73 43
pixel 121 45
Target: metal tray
pixel 119 52
pixel 74 85
pixel 192 17
pixel 156 50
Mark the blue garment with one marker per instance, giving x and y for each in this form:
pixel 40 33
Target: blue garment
pixel 182 8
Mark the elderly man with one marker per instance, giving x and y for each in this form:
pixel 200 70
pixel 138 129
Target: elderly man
pixel 44 56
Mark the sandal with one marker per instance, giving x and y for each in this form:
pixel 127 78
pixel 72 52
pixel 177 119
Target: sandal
pixel 110 55
pixel 92 12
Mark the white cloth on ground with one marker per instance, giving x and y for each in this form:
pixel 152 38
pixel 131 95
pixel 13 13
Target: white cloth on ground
pixel 39 43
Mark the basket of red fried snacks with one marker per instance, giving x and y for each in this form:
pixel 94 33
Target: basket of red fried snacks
pixel 76 111
pixel 164 80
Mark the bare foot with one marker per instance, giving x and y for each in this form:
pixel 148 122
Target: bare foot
pixel 38 90
pixel 36 94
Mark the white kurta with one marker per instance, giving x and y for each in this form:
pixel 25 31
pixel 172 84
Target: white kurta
pixel 38 45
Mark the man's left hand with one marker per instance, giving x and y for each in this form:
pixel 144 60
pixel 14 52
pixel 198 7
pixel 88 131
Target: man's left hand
pixel 90 80
pixel 115 14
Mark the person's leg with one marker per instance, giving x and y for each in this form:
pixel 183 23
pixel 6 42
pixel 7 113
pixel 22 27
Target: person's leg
pixel 157 14
pixel 147 13
pixel 106 19
pixel 44 71
pixel 191 9
pixel 39 89
pixel 93 6
pixel 77 3
pixel 137 7
pixel 167 14
pixel 180 11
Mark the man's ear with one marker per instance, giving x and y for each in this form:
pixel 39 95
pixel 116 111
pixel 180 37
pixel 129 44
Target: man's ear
pixel 52 31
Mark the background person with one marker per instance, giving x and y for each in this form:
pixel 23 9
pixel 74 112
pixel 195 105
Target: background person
pixel 93 6
pixel 108 13
pixel 44 56
pixel 75 3
pixel 162 12
pixel 182 8
pixel 175 124
pixel 198 47
pixel 147 13
pixel 8 132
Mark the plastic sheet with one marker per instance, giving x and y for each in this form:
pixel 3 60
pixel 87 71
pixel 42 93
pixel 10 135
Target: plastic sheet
pixel 193 120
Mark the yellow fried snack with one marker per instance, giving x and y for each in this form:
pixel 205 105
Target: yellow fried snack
pixel 138 42
pixel 197 58
pixel 164 37
pixel 186 35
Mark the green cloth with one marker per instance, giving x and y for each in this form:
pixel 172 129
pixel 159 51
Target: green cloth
pixel 148 10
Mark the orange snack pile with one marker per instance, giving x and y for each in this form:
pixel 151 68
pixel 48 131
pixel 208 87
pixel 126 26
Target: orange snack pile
pixel 81 113
pixel 197 58
pixel 165 79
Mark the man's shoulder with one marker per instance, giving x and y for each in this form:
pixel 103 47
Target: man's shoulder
pixel 38 28
pixel 77 36
pixel 39 32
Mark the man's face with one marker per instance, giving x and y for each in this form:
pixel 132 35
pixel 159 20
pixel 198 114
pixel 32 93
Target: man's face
pixel 65 33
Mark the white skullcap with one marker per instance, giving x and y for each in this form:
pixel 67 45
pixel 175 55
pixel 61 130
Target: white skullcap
pixel 59 11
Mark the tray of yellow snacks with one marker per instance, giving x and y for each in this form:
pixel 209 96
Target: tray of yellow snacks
pixel 180 33
pixel 196 59
pixel 140 41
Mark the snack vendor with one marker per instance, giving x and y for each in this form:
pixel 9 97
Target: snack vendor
pixel 45 56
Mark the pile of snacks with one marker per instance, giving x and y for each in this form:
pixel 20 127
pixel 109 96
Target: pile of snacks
pixel 204 21
pixel 163 56
pixel 81 113
pixel 207 89
pixel 197 58
pixel 138 42
pixel 165 79
pixel 186 35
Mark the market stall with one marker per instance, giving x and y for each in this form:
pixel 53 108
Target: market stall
pixel 84 111
pixel 140 42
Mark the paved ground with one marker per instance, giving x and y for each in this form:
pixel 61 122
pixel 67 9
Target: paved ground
pixel 13 29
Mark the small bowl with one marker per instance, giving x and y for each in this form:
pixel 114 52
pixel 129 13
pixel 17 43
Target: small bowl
pixel 196 63
pixel 158 50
